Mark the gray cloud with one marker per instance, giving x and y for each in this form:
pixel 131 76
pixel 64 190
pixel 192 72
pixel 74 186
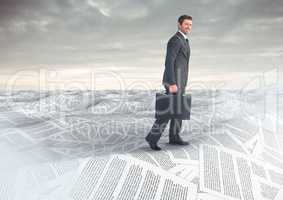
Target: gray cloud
pixel 126 31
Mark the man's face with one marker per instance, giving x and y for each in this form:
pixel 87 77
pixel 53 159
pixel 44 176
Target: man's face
pixel 186 26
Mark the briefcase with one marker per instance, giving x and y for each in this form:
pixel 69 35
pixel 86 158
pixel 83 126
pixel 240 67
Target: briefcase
pixel 173 105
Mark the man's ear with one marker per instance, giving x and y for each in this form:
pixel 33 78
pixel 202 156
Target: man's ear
pixel 178 25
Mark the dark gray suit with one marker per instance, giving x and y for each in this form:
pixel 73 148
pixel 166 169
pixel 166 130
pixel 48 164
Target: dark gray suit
pixel 177 61
pixel 176 72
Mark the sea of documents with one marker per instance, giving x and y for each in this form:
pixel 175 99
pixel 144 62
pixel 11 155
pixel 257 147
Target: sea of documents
pixel 51 151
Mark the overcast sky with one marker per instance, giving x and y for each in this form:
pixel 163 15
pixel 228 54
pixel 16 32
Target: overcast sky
pixel 130 36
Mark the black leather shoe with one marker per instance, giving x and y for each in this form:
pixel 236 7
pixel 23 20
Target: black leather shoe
pixel 177 140
pixel 152 145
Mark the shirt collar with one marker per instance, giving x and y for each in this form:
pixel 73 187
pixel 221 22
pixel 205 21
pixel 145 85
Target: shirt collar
pixel 185 36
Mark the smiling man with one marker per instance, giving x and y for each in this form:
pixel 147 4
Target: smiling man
pixel 174 80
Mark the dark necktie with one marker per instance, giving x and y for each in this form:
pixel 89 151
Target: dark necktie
pixel 188 46
pixel 187 41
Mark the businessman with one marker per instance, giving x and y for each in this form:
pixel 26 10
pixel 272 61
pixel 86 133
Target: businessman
pixel 175 78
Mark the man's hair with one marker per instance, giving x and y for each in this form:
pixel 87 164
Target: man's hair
pixel 183 17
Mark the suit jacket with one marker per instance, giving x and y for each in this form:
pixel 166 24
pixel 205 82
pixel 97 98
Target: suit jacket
pixel 176 62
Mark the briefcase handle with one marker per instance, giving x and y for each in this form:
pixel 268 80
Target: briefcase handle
pixel 175 93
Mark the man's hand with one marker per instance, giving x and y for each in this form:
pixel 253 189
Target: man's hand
pixel 173 88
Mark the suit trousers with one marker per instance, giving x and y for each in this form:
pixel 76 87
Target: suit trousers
pixel 160 125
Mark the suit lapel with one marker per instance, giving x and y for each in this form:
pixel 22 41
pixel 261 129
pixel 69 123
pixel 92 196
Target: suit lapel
pixel 186 46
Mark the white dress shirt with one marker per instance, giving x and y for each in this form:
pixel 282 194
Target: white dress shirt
pixel 185 36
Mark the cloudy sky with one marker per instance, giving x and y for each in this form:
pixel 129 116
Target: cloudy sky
pixel 125 40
